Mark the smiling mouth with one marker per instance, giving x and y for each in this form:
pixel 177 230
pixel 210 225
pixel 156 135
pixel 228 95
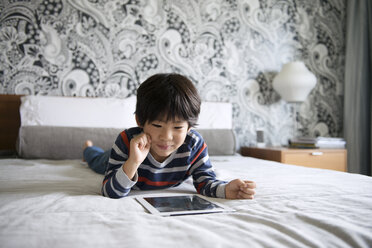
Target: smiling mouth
pixel 164 147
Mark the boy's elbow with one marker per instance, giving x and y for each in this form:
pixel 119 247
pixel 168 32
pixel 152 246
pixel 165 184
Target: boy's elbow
pixel 114 195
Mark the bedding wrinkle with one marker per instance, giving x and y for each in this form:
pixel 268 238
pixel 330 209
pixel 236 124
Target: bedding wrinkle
pixel 48 203
pixel 336 227
pixel 285 234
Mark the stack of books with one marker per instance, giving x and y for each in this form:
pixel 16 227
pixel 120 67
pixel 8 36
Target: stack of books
pixel 319 142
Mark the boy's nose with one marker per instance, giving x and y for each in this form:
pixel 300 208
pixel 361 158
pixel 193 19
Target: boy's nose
pixel 166 134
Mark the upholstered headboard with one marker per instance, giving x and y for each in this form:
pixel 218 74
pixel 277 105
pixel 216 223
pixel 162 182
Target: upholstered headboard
pixel 56 127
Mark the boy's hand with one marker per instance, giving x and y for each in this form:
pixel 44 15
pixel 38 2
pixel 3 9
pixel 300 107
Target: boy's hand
pixel 139 148
pixel 239 189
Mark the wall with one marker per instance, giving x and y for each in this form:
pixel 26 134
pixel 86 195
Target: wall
pixel 231 50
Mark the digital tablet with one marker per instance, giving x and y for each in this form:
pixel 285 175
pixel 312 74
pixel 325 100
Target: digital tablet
pixel 171 205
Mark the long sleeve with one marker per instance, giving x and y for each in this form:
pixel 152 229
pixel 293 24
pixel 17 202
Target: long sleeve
pixel 191 159
pixel 201 169
pixel 116 183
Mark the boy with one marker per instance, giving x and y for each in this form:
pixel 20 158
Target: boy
pixel 163 150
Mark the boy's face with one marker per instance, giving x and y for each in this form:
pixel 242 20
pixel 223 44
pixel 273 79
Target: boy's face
pixel 166 136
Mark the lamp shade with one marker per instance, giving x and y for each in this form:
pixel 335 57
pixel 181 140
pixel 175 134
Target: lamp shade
pixel 294 82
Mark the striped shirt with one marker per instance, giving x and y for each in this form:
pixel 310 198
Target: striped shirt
pixel 190 159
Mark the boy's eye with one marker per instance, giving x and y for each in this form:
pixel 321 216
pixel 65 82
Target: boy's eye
pixel 178 127
pixel 156 125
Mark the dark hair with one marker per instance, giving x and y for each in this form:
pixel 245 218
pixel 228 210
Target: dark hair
pixel 167 96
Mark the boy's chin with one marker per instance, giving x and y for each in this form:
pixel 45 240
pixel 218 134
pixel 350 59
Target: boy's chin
pixel 164 155
pixel 161 156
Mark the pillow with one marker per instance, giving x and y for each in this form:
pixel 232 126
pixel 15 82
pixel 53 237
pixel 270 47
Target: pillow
pixel 215 115
pixel 55 127
pixel 77 111
pixel 219 141
pixel 53 142
pixel 105 112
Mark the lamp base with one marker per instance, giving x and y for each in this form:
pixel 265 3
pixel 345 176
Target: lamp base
pixel 295 106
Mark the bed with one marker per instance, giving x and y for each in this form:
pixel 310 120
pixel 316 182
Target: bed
pixel 51 201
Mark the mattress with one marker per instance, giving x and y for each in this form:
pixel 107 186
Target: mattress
pixel 58 203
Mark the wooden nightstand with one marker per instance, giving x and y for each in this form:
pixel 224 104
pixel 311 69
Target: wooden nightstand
pixel 334 159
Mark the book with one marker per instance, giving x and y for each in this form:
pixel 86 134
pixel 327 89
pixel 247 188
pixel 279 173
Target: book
pixel 319 142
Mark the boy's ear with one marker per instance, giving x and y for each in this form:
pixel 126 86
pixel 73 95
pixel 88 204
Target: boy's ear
pixel 138 124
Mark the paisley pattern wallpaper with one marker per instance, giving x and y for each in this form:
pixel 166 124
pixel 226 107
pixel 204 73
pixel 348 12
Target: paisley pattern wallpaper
pixel 230 49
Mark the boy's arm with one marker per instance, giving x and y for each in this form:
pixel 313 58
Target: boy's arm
pixel 116 183
pixel 204 178
pixel 206 183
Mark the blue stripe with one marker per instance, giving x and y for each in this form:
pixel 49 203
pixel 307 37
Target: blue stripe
pixel 192 146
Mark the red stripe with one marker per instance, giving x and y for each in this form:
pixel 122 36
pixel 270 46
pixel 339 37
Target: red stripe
pixel 125 139
pixel 200 185
pixel 201 150
pixel 152 183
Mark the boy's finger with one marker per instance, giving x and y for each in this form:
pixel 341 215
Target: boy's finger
pixel 250 184
pixel 249 191
pixel 247 187
pixel 243 195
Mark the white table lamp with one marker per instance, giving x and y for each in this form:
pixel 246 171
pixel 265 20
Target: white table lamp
pixel 294 83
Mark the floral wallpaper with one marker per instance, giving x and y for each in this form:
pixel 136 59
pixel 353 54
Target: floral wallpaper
pixel 230 49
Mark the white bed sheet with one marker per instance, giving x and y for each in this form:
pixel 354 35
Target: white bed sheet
pixel 46 203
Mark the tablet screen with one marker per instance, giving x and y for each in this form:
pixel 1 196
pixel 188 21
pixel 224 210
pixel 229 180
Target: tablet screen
pixel 168 205
pixel 180 203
